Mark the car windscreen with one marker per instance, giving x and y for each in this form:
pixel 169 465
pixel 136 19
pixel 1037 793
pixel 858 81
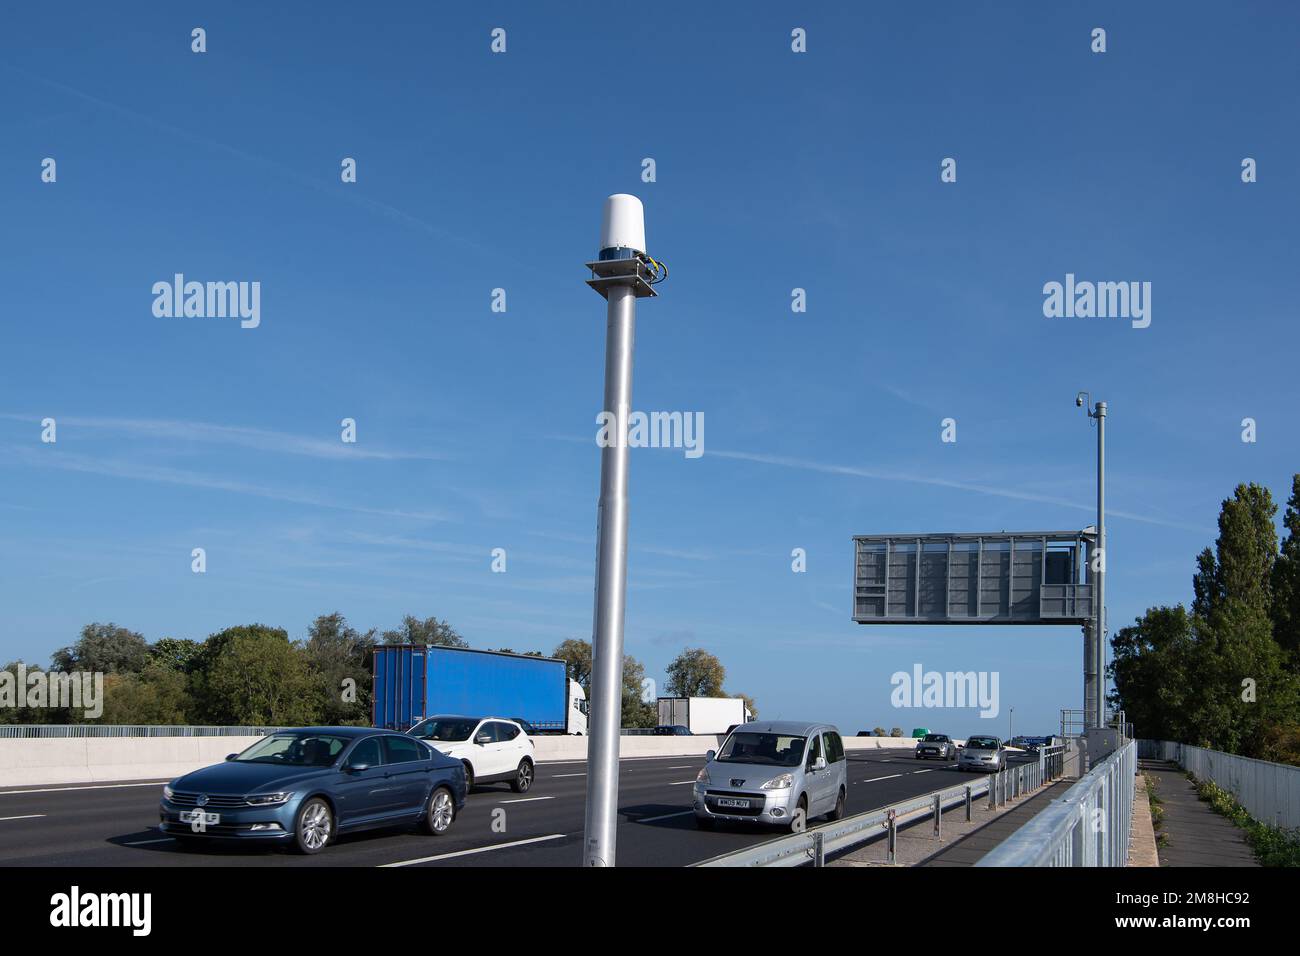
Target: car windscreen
pixel 295 750
pixel 444 728
pixel 982 743
pixel 936 739
pixel 774 750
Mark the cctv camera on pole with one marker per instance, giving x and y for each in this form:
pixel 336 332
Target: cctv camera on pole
pixel 622 273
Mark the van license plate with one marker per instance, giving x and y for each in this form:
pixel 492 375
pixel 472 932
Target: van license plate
pixel 735 804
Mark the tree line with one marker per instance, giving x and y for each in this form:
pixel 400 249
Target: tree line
pixel 254 674
pixel 1224 673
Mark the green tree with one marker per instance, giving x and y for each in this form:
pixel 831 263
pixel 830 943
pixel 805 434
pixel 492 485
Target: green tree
pixel 1153 670
pixel 1286 582
pixel 577 654
pixel 13 698
pixel 1216 677
pixel 430 630
pixel 342 662
pixel 177 653
pixel 253 674
pixel 1246 547
pixel 636 712
pixel 696 673
pixel 157 695
pixel 104 648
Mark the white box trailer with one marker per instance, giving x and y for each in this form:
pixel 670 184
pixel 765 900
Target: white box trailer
pixel 702 715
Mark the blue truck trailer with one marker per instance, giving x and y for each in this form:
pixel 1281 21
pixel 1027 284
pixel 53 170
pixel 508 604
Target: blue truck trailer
pixel 414 681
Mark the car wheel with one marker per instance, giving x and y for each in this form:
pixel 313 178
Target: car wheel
pixel 440 813
pixel 838 812
pixel 799 819
pixel 314 827
pixel 469 779
pixel 523 781
pixel 703 823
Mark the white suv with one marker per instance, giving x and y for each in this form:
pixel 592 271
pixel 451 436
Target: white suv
pixel 491 748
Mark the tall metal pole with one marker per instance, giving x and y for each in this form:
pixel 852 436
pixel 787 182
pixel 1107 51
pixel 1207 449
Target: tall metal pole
pixel 611 589
pixel 622 273
pixel 1099 627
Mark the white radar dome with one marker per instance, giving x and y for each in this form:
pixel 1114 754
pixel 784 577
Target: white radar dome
pixel 623 225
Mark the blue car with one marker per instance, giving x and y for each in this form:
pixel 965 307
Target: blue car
pixel 303 787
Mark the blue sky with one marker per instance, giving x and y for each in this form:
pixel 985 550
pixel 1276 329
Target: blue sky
pixel 477 429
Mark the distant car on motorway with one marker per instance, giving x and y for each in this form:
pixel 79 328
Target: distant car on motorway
pixel 936 745
pixel 491 749
pixel 305 786
pixel 672 730
pixel 982 753
pixel 775 772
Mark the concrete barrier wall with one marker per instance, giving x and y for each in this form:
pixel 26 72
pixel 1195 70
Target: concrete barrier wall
pixel 86 760
pixel 98 759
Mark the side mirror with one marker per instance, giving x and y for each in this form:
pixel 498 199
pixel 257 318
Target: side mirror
pixel 231 756
pixel 709 755
pixel 482 739
pixel 356 767
pixel 819 764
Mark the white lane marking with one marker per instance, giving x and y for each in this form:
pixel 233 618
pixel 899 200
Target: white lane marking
pixel 680 783
pixel 931 770
pixel 27 816
pixel 147 842
pixel 684 766
pixel 106 786
pixel 874 779
pixel 557 776
pixel 478 849
pixel 666 816
pixel 626 759
pixel 527 799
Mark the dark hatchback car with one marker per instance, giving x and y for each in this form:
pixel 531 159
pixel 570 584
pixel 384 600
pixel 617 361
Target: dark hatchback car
pixel 303 787
pixel 672 730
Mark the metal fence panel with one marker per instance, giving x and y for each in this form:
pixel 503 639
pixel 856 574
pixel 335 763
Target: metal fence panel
pixel 46 731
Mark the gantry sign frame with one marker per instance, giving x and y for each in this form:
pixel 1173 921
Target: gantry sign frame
pixel 1022 577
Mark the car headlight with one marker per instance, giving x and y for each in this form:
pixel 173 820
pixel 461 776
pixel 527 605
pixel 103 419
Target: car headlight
pixel 783 782
pixel 268 799
pixel 168 792
pixel 702 778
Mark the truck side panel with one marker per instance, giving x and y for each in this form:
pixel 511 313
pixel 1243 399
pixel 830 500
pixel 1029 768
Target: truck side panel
pixel 477 683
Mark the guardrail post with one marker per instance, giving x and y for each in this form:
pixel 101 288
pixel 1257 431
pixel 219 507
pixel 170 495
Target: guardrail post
pixel 993 792
pixel 819 849
pixel 968 804
pixel 893 836
pixel 938 816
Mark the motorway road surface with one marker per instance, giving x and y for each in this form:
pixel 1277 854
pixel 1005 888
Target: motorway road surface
pixel 113 824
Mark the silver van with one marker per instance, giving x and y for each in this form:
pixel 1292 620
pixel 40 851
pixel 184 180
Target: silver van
pixel 779 772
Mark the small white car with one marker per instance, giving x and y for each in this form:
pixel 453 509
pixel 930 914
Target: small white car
pixel 492 749
pixel 983 753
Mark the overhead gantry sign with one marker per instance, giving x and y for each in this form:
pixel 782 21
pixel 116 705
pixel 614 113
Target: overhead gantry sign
pixel 1025 577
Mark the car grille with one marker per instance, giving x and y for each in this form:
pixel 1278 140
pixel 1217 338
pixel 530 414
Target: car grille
pixel 215 801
